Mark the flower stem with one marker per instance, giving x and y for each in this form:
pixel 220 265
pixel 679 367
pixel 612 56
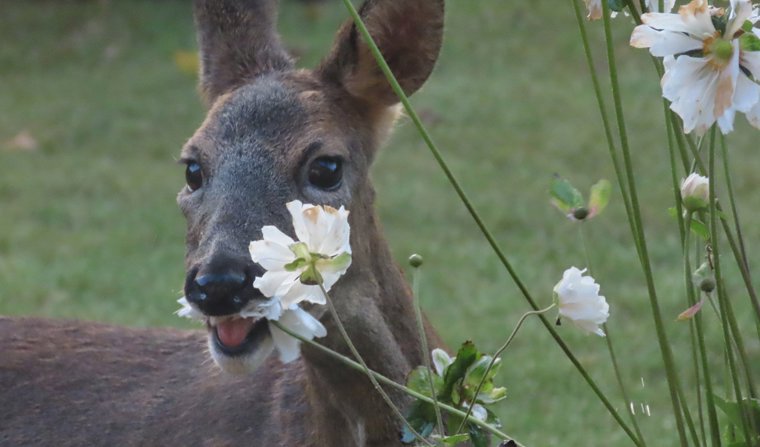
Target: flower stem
pixel 496 356
pixel 475 215
pixel 385 380
pixel 665 349
pixel 425 348
pixel 366 369
pixel 722 299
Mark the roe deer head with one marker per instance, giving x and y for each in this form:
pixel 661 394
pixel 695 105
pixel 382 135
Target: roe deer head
pixel 273 134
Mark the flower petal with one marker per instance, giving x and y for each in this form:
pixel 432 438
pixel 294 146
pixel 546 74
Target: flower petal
pixel 275 282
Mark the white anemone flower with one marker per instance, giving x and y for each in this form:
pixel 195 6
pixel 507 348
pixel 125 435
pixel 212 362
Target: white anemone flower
pixel 295 319
pixel 707 69
pixel 579 301
pixel 695 192
pixel 294 269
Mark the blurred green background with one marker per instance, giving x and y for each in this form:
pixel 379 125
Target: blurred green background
pixel 96 100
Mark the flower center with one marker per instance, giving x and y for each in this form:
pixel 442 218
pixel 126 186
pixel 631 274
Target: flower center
pixel 720 49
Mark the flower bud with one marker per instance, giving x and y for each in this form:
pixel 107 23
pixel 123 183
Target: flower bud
pixel 415 260
pixel 695 192
pixel 580 213
pixel 707 285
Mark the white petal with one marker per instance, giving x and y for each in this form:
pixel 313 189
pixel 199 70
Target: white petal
pixel 751 61
pixel 270 255
pixel 441 360
pixel 741 10
pixel 300 322
pixel 753 116
pixel 269 309
pixel 188 311
pixel 300 292
pixel 275 282
pixel 273 234
pixel 296 212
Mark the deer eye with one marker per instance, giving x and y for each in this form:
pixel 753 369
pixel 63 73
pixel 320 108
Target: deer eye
pixel 326 172
pixel 193 175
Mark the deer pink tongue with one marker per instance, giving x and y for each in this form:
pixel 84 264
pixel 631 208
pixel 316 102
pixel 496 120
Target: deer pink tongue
pixel 232 333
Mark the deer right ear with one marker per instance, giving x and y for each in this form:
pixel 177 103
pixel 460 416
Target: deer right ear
pixel 238 41
pixel 408 33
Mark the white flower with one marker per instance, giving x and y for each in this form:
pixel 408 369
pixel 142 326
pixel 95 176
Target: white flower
pixel 294 269
pixel 706 69
pixel 295 319
pixel 695 192
pixel 579 301
pixel 594 8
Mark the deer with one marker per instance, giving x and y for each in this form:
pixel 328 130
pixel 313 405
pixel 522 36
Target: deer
pixel 273 133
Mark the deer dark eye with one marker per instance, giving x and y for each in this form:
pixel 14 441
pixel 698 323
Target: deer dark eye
pixel 193 175
pixel 326 172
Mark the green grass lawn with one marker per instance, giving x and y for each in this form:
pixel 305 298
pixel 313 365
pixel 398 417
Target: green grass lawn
pixel 89 228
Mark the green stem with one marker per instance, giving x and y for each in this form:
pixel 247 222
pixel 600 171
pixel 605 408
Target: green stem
pixel 496 356
pixel 667 355
pixel 611 350
pixel 381 378
pixel 475 215
pixel 425 347
pixel 366 369
pixel 722 299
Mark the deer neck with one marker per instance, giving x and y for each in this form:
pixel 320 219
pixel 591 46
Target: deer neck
pixel 375 305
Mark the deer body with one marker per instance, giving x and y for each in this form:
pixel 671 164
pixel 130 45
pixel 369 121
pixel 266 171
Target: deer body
pixel 273 134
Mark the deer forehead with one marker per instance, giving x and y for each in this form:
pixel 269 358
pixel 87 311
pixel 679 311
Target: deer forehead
pixel 277 118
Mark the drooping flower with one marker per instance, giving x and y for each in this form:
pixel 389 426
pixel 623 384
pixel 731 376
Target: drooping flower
pixel 294 269
pixel 295 319
pixel 695 192
pixel 578 299
pixel 712 62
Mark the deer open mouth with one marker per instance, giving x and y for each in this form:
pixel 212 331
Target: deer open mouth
pixel 236 335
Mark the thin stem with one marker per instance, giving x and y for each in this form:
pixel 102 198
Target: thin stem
pixel 611 349
pixel 667 355
pixel 385 380
pixel 744 262
pixel 496 356
pixel 425 348
pixel 476 216
pixel 722 299
pixel 366 369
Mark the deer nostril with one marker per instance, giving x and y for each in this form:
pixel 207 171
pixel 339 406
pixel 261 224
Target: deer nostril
pixel 219 293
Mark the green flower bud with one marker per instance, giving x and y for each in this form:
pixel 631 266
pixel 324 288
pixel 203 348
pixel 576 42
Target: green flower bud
pixel 415 260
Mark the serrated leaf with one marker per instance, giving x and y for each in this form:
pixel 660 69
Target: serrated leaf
pixel 599 197
pixel 564 195
pixel 419 381
pixel 466 356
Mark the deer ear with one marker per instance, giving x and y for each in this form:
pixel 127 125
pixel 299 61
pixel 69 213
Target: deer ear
pixel 238 41
pixel 408 33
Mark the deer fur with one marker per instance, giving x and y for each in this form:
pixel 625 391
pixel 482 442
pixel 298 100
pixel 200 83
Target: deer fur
pixel 68 383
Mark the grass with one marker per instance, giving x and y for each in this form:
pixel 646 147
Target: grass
pixel 89 228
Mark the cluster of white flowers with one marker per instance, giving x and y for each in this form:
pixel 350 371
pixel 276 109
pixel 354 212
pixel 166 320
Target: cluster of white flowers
pixel 712 62
pixel 296 271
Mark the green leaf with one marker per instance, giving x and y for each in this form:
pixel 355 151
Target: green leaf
pixel 492 396
pixel 422 417
pixel 750 42
pixel 419 381
pixel 455 439
pixel 478 436
pixel 733 411
pixel 477 370
pixel 466 356
pixel 564 195
pixel 747 26
pixel 697 226
pixel 599 197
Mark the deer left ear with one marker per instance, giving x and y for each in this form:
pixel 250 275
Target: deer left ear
pixel 409 35
pixel 238 41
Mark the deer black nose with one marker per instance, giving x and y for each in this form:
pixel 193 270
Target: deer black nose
pixel 221 291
